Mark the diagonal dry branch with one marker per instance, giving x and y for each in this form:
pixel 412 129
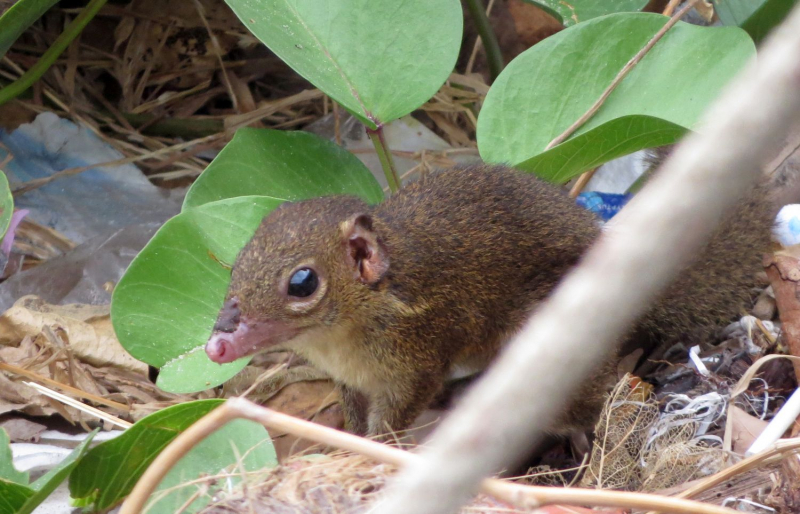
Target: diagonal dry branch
pixel 652 238
pixel 520 495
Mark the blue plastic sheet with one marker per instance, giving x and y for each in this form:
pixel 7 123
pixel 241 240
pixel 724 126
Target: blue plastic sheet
pixel 89 204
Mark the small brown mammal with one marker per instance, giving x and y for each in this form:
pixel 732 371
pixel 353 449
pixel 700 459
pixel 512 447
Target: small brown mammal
pixel 390 299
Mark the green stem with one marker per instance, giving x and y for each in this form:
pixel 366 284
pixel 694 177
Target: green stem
pixel 186 128
pixel 28 78
pixel 478 13
pixel 385 156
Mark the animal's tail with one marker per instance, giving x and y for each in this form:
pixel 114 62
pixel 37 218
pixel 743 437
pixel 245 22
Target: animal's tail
pixel 719 282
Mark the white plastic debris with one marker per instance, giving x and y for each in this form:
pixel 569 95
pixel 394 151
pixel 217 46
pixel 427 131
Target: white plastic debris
pixel 618 175
pixel 787 225
pixel 743 330
pixel 732 500
pixel 698 363
pixel 52 448
pixel 81 275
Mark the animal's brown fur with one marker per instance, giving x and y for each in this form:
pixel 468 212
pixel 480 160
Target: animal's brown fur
pixel 470 252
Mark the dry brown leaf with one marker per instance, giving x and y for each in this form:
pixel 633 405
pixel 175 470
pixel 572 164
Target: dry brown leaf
pixel 75 346
pixel 745 428
pixel 87 327
pixel 16 396
pixel 22 431
pixel 12 397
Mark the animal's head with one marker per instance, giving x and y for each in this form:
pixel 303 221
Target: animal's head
pixel 306 266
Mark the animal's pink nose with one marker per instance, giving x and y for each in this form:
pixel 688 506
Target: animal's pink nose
pixel 219 347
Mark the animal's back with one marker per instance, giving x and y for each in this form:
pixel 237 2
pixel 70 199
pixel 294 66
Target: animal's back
pixel 488 243
pixel 484 243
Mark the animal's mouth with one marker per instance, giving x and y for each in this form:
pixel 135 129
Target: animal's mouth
pixel 236 336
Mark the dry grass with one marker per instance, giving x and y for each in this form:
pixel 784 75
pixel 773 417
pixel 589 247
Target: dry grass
pixel 167 91
pixel 338 483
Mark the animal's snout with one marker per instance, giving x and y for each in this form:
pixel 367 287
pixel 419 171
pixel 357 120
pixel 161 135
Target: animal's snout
pixel 229 316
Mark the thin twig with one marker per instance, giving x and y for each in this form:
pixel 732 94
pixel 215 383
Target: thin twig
pixel 620 76
pixel 241 120
pixel 218 53
pixel 80 406
pixel 83 394
pixel 580 184
pixel 517 494
pixel 671 6
pixel 36 183
pixel 586 176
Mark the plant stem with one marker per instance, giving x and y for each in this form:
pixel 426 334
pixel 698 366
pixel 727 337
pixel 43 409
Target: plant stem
pixel 61 43
pixel 488 38
pixel 385 156
pixel 187 128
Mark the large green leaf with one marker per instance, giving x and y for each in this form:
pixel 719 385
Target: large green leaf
pixel 380 60
pixel 576 11
pixel 18 18
pixel 757 17
pixel 110 470
pixel 164 307
pixel 549 86
pixel 283 165
pixel 16 496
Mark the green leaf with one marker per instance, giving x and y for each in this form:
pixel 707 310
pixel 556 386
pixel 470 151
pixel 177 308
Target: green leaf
pixel 549 86
pixel 164 307
pixel 16 497
pixel 48 482
pixel 13 497
pixel 283 165
pixel 7 470
pixel 576 11
pixel 6 204
pixel 612 140
pixel 216 453
pixel 18 18
pixel 110 470
pixel 757 17
pixel 380 60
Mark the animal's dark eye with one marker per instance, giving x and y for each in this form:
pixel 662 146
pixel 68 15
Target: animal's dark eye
pixel 303 283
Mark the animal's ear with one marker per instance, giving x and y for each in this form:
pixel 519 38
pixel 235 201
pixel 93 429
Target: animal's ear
pixel 365 251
